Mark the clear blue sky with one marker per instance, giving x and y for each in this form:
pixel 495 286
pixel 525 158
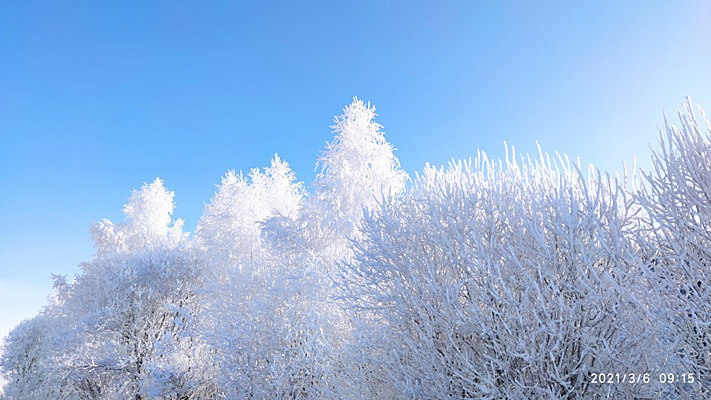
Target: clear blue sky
pixel 98 97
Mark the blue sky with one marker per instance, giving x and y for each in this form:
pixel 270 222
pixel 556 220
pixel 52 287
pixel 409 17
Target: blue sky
pixel 98 97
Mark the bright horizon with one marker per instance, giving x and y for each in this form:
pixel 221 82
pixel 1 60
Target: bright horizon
pixel 96 99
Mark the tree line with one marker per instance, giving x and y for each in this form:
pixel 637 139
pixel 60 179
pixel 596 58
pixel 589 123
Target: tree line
pixel 529 277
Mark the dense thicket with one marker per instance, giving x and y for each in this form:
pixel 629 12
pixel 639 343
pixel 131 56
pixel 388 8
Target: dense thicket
pixel 522 278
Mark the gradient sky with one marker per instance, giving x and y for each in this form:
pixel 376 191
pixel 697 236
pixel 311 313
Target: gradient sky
pixel 98 97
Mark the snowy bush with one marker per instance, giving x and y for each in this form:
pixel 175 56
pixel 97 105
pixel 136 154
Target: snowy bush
pixel 499 280
pixel 677 199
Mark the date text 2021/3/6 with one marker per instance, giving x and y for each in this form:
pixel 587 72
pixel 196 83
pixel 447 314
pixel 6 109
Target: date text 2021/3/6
pixel 632 378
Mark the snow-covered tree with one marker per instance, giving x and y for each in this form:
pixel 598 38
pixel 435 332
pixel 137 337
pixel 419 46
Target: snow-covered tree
pixel 27 360
pixel 126 321
pixel 230 230
pixel 498 280
pixel 148 223
pixel 357 169
pixel 133 317
pixel 677 199
pixel 247 303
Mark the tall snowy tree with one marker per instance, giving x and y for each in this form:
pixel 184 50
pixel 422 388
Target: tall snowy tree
pixel 357 169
